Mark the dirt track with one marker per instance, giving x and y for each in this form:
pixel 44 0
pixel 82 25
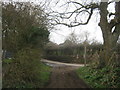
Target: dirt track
pixel 65 77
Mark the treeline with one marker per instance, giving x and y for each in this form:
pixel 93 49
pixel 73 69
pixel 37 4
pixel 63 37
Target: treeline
pixel 73 52
pixel 24 34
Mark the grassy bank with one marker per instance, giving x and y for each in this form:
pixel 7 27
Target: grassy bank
pixel 100 78
pixel 17 76
pixel 45 74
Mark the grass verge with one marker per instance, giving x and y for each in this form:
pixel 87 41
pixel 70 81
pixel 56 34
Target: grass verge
pixel 17 76
pixel 44 75
pixel 100 78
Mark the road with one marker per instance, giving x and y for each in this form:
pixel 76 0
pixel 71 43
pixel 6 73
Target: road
pixel 55 63
pixel 64 76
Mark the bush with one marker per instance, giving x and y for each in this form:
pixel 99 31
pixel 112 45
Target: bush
pixel 24 71
pixel 66 59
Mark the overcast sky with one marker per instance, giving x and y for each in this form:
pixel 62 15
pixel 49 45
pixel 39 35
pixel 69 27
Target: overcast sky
pixel 60 35
pixel 61 32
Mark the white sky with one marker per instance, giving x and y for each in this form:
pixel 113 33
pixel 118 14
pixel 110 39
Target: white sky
pixel 59 36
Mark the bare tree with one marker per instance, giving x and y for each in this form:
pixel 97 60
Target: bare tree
pixel 73 38
pixel 110 28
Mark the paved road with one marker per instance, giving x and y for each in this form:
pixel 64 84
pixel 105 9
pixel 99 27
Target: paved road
pixel 55 63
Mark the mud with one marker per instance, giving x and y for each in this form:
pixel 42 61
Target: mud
pixel 65 77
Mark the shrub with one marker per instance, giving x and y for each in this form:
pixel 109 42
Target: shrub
pixel 66 58
pixel 24 71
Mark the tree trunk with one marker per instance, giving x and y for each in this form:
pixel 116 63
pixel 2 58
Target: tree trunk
pixel 110 37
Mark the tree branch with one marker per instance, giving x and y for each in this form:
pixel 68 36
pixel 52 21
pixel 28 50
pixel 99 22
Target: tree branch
pixel 70 25
pixel 88 9
pixel 113 23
